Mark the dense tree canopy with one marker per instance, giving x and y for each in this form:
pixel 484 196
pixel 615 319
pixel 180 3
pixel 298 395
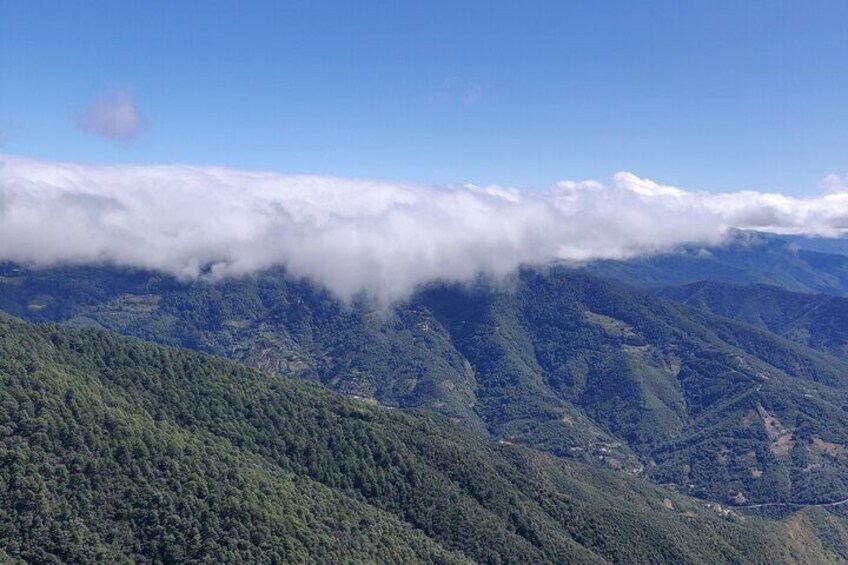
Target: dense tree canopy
pixel 115 450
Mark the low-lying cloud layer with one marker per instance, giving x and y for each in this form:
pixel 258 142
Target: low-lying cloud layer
pixel 353 235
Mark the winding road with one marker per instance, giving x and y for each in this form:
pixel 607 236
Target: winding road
pixel 792 504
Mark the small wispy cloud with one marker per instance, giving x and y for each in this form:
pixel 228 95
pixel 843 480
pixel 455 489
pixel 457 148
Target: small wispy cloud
pixel 9 129
pixel 836 183
pixel 458 90
pixel 114 115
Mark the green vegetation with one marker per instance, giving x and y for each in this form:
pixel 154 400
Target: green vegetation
pixel 115 450
pixel 92 473
pixel 819 321
pixel 571 364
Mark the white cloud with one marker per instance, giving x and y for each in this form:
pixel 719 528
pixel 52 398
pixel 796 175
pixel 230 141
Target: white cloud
pixel 114 115
pixel 455 89
pixel 835 183
pixel 353 235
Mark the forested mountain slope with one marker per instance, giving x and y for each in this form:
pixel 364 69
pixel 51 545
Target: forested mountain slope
pixel 117 450
pixel 819 321
pixel 568 363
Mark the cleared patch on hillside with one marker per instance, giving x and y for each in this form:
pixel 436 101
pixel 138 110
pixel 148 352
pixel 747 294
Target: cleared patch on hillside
pixel 782 439
pixel 818 445
pixel 612 326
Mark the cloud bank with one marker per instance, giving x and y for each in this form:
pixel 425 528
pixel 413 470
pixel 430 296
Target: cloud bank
pixel 115 116
pixel 383 238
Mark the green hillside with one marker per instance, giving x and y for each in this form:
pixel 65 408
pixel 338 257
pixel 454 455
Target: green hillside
pixel 116 451
pixel 577 366
pixel 819 321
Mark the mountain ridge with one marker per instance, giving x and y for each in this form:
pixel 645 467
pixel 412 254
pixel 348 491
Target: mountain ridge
pixel 747 257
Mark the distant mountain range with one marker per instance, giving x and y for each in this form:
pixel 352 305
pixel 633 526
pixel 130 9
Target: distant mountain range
pixel 794 263
pixel 830 245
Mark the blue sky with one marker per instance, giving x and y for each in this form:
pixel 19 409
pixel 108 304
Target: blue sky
pixel 714 95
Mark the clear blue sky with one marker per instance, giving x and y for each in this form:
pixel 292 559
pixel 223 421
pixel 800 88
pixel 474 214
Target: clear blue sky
pixel 713 95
